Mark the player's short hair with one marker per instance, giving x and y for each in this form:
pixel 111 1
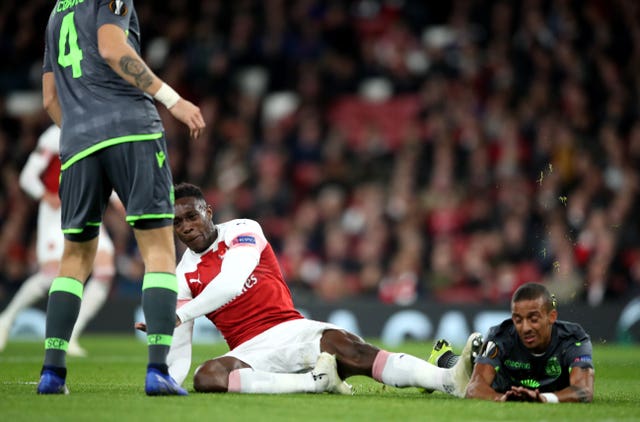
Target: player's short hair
pixel 533 291
pixel 187 190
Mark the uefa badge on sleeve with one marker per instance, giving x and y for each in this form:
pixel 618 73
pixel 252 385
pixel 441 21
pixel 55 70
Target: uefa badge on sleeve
pixel 118 7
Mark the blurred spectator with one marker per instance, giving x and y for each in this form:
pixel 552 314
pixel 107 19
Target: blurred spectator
pixel 402 151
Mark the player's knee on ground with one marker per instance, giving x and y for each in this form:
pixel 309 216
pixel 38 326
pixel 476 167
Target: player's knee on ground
pixel 211 377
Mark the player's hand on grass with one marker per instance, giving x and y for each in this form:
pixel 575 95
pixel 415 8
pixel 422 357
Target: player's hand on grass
pixel 509 395
pixel 189 114
pixel 522 394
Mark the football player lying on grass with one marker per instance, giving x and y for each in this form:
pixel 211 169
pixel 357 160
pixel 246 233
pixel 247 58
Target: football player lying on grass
pixel 531 357
pixel 230 274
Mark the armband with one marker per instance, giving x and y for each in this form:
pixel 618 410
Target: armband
pixel 167 96
pixel 551 398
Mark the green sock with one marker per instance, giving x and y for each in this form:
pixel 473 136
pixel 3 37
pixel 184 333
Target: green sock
pixel 159 294
pixel 65 296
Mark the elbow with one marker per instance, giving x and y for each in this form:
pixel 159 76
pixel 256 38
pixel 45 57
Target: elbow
pixel 470 392
pixel 108 53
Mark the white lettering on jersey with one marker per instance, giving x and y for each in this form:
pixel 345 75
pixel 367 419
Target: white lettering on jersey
pixel 251 281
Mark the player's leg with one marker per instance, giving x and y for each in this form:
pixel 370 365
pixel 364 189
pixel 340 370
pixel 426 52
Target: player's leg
pixel 65 296
pixel 83 199
pixel 159 291
pixel 443 356
pixel 140 175
pixel 96 291
pixel 32 290
pixel 228 374
pixel 159 295
pixel 356 357
pixel 49 247
pixel 283 359
pixel 213 375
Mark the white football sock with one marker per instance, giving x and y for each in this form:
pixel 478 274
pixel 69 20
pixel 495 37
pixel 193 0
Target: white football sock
pixel 33 289
pixel 94 295
pixel 248 380
pixel 402 370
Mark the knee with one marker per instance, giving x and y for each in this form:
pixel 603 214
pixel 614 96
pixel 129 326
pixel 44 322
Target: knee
pixel 354 356
pixel 211 377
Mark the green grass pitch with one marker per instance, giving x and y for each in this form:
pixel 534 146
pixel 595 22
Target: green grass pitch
pixel 108 386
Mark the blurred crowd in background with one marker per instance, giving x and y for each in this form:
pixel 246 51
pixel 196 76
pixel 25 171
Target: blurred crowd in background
pixel 400 150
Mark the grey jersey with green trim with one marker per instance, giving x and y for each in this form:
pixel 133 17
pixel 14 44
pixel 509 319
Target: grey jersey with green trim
pixel 516 366
pixel 97 104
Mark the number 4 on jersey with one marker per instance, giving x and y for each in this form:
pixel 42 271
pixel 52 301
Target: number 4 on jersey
pixel 69 35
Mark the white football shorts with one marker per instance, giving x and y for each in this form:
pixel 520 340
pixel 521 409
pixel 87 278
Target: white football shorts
pixel 290 347
pixel 50 242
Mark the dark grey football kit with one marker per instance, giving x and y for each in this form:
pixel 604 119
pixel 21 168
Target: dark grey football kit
pixel 515 365
pixel 112 135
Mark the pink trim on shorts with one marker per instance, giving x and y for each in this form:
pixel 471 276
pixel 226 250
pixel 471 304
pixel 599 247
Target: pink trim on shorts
pixel 378 364
pixel 234 381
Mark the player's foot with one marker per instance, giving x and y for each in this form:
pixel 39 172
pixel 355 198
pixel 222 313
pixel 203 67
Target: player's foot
pixel 51 383
pixel 464 367
pixel 442 355
pixel 76 350
pixel 159 384
pixel 5 328
pixel 326 373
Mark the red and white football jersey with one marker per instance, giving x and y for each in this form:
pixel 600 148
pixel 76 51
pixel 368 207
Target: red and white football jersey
pixel 42 170
pixel 265 300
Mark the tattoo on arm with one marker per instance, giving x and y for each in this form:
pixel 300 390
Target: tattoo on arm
pixel 580 392
pixel 134 67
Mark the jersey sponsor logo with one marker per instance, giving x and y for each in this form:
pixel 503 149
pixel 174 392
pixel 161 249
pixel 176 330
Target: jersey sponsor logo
pixel 250 282
pixel 66 4
pixel 553 368
pixel 490 350
pixel 244 239
pixel 118 7
pixel 583 358
pixel 514 364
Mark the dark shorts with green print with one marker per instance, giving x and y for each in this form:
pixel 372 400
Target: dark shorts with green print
pixel 139 173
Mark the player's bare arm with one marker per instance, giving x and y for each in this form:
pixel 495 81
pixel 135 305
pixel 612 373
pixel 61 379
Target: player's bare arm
pixel 123 59
pixel 479 386
pixel 580 389
pixel 133 67
pixel 50 100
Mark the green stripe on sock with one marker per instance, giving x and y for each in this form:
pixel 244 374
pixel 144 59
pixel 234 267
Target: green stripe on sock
pixel 56 343
pixel 67 284
pixel 160 280
pixel 159 339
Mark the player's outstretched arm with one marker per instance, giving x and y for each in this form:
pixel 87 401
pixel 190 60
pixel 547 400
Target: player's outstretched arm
pixel 125 61
pixel 580 389
pixel 479 386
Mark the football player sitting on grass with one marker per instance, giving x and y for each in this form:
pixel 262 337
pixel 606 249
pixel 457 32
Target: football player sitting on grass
pixel 231 275
pixel 531 357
